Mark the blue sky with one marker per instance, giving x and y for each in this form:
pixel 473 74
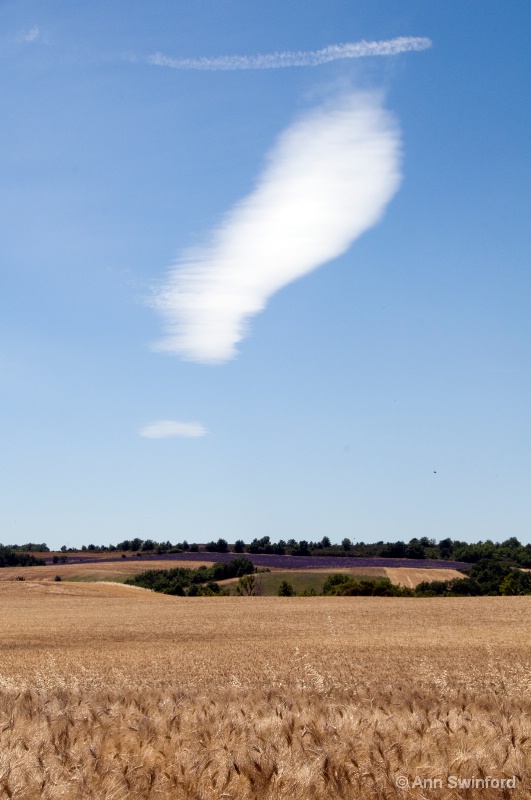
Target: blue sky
pixel 288 301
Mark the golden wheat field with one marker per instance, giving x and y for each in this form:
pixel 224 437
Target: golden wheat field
pixel 412 576
pixel 113 692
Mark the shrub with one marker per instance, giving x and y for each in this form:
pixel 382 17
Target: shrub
pixel 486 577
pixel 432 588
pixel 341 584
pixel 175 581
pixel 246 585
pixel 286 589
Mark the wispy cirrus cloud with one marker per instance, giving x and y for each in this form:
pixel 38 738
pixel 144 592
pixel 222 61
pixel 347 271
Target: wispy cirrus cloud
pixel 327 180
pixel 12 43
pixel 297 58
pixel 32 35
pixel 165 428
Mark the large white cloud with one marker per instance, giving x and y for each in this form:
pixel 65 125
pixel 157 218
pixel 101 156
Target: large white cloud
pixel 327 180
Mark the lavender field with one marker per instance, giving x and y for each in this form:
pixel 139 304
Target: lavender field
pixel 294 562
pixel 329 562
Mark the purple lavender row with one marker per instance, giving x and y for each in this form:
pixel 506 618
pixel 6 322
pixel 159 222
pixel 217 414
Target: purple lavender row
pixel 292 562
pixel 327 562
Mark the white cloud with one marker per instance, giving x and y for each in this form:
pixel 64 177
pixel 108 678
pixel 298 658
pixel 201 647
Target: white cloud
pixel 327 180
pixel 32 35
pixel 311 58
pixel 165 428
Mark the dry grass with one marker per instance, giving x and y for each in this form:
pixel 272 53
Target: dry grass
pixel 112 692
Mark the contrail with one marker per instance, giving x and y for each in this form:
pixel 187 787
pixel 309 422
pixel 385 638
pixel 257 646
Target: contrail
pixel 301 58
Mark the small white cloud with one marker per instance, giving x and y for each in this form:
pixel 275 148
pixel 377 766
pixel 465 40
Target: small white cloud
pixel 33 34
pixel 297 58
pixel 165 428
pixel 328 180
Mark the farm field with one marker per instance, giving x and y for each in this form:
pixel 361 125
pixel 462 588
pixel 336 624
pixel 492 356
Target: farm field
pixel 313 579
pixel 116 570
pixel 119 569
pixel 304 580
pixel 110 691
pixel 412 576
pixel 270 561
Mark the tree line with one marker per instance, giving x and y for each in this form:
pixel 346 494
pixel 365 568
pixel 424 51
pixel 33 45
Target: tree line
pixel 12 557
pixel 182 581
pixel 510 551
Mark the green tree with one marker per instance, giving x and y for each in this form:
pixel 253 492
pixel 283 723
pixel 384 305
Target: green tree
pixel 445 548
pixel 415 550
pixel 149 544
pixel 246 585
pixel 510 584
pixel 286 589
